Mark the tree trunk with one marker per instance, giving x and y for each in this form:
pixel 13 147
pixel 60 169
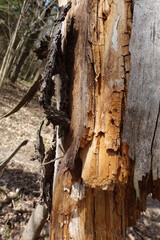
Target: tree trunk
pixel 18 64
pixel 93 189
pixel 25 51
pixel 8 56
pixel 29 60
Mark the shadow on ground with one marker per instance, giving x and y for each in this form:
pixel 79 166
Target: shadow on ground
pixel 148 226
pixel 15 214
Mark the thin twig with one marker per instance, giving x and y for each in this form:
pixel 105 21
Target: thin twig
pixel 55 159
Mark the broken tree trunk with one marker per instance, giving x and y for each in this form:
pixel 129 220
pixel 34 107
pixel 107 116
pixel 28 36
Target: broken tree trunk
pixel 93 188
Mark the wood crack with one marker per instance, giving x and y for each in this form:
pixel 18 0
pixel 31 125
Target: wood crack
pixel 155 129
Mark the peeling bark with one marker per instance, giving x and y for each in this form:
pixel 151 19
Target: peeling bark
pixel 141 130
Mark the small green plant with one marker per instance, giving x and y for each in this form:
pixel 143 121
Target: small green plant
pixel 7 234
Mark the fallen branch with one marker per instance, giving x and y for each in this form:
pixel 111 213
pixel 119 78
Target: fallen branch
pixel 26 99
pixel 36 223
pixel 52 161
pixel 4 162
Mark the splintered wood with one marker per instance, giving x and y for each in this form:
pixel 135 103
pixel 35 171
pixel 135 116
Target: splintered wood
pixel 101 70
pixel 94 195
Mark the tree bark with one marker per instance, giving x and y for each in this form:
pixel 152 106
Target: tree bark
pixel 93 188
pixel 142 127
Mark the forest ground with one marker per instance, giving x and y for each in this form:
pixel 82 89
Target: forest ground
pixel 22 174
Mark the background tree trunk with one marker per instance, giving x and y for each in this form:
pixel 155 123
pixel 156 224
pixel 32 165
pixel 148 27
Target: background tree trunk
pixel 8 55
pixel 96 198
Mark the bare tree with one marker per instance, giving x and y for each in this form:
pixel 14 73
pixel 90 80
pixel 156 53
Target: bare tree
pixel 8 56
pixel 32 18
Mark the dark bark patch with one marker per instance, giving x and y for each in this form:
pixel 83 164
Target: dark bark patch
pixel 77 171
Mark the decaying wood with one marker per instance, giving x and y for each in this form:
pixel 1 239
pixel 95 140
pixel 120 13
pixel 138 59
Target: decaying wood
pixel 142 121
pixel 46 167
pixel 47 172
pixel 54 66
pixel 39 146
pixel 99 83
pixel 94 184
pixel 91 199
pixel 42 51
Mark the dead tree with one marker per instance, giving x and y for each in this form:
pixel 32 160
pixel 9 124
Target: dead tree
pixel 110 159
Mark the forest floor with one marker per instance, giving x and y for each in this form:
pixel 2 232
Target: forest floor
pixel 22 174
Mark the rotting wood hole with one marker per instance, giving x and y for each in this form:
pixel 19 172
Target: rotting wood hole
pixel 111 152
pixel 69 57
pixel 101 134
pixel 112 120
pixel 77 171
pixel 104 16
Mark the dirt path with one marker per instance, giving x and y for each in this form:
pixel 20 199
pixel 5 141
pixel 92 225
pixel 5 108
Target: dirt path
pixel 21 125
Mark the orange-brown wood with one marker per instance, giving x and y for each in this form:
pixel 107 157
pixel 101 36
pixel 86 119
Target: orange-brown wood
pixel 96 199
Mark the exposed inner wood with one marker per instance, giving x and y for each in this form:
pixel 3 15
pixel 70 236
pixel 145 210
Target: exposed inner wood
pixel 94 195
pixel 100 74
